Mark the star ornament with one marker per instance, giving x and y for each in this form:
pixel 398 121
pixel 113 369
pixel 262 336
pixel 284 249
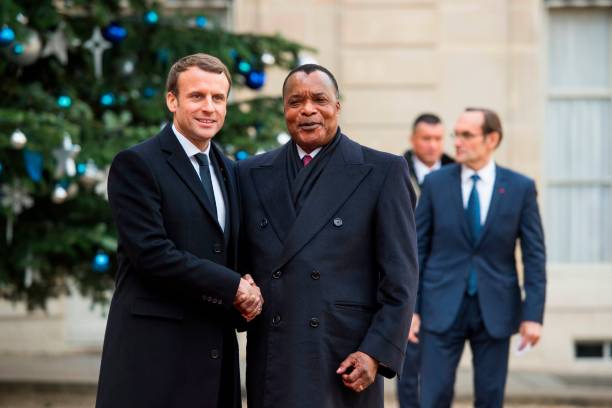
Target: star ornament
pixel 97 45
pixel 65 155
pixel 57 45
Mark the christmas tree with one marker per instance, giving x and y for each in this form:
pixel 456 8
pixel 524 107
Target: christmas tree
pixel 81 80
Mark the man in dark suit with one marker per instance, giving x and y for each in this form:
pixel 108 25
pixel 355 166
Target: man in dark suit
pixel 170 339
pixel 469 218
pixel 328 232
pixel 427 155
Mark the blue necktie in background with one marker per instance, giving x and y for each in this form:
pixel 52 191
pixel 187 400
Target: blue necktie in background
pixel 473 216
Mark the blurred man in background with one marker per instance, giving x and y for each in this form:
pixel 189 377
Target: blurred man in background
pixel 426 155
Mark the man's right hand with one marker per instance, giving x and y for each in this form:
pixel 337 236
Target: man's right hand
pixel 248 300
pixel 413 334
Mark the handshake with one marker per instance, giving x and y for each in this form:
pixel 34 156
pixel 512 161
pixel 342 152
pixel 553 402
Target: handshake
pixel 248 298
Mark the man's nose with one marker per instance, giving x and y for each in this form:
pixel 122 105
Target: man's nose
pixel 308 108
pixel 207 104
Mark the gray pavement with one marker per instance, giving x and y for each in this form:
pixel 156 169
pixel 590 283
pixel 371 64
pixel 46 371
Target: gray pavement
pixel 69 381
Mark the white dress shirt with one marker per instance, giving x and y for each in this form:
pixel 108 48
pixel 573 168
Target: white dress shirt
pixel 312 154
pixel 421 169
pixel 484 186
pixel 191 150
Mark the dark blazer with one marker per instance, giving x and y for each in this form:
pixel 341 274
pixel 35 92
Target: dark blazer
pixel 446 252
pixel 409 156
pixel 340 277
pixel 169 331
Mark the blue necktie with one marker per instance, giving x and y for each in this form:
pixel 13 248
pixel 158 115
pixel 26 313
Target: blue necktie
pixel 202 160
pixel 473 216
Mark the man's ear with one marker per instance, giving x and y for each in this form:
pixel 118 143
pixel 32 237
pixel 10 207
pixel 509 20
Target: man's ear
pixel 171 101
pixel 494 139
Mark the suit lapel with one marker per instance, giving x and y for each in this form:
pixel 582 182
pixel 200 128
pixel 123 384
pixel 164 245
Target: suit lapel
pixel 179 162
pixel 499 189
pixel 343 173
pixel 457 197
pixel 274 193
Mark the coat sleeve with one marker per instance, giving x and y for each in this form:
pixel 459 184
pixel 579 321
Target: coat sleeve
pixel 534 258
pixel 424 224
pixel 396 262
pixel 135 200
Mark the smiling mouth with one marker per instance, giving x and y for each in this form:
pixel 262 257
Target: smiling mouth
pixel 206 121
pixel 309 125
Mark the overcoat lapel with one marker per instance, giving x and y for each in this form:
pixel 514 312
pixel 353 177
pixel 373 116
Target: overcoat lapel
pixel 179 162
pixel 343 173
pixel 499 189
pixel 272 186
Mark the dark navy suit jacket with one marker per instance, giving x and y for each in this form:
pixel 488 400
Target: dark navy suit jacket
pixel 446 253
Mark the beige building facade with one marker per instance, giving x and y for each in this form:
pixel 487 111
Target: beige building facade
pixel 397 58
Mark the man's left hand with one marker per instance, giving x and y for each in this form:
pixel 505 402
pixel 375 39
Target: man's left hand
pixel 530 333
pixel 363 371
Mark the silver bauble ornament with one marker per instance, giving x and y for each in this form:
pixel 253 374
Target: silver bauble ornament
pixel 32 46
pixel 18 139
pixel 59 195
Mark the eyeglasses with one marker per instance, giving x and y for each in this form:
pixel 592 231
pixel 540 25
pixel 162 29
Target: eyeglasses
pixel 464 135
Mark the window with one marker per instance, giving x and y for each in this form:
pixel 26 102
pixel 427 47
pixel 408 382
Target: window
pixel 593 350
pixel 579 136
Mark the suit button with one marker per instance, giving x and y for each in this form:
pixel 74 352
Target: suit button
pixel 263 223
pixel 276 274
pixel 314 322
pixel 276 320
pixel 338 222
pixel 214 354
pixel 217 248
pixel 315 275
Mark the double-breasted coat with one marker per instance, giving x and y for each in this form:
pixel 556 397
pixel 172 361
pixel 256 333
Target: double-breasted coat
pixel 170 339
pixel 339 277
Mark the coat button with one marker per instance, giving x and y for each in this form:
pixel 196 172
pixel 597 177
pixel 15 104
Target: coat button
pixel 315 275
pixel 338 222
pixel 276 320
pixel 263 223
pixel 217 248
pixel 276 274
pixel 214 354
pixel 314 322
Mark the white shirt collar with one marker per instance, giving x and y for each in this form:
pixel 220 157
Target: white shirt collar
pixel 190 149
pixel 486 174
pixel 312 154
pixel 421 169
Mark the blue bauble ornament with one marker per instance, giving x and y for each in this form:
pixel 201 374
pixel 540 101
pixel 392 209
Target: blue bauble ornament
pixel 241 155
pixel 33 164
pixel 233 53
pixel 163 55
pixel 151 17
pixel 7 35
pixel 18 49
pixel 244 67
pixel 101 262
pixel 64 101
pixel 256 79
pixel 81 168
pixel 148 92
pixel 1 168
pixel 114 32
pixel 107 99
pixel 201 21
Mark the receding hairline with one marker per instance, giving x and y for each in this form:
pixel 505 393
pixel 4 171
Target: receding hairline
pixel 309 69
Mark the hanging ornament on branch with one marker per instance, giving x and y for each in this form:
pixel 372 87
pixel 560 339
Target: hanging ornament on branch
pixel 34 164
pixel 114 32
pixel 15 199
pixel 26 52
pixel 97 45
pixel 65 158
pixel 57 45
pixel 7 35
pixel 18 139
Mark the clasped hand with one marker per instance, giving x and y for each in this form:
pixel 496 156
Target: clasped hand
pixel 248 300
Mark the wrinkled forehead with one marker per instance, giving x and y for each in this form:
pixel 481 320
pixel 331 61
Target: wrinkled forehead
pixel 316 82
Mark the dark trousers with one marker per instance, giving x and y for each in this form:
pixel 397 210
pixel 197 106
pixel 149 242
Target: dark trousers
pixel 441 353
pixel 408 384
